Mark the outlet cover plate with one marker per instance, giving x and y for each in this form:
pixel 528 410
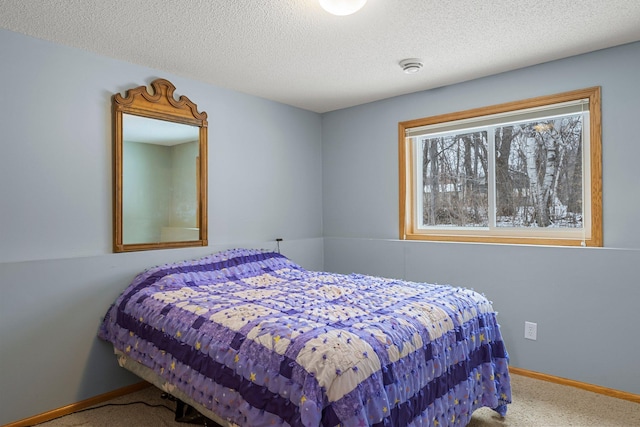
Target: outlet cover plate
pixel 531 330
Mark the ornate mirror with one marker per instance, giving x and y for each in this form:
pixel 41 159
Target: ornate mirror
pixel 160 168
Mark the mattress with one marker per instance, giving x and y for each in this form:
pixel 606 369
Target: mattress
pixel 258 340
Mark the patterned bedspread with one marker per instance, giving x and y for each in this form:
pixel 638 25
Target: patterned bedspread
pixel 261 341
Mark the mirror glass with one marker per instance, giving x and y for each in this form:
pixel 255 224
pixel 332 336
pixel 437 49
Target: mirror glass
pixel 160 165
pixel 160 180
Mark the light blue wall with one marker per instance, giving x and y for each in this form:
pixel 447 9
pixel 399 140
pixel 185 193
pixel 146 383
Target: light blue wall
pixel 56 142
pixel 585 300
pixel 278 171
pixel 58 274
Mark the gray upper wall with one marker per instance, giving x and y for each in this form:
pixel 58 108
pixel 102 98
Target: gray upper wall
pixel 58 274
pixel 326 184
pixel 584 300
pixel 264 157
pixel 360 144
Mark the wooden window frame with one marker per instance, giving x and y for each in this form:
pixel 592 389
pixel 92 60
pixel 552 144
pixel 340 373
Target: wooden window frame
pixel 592 235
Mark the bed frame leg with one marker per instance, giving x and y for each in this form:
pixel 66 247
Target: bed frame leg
pixel 188 414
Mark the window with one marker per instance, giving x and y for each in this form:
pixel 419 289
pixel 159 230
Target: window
pixel 525 172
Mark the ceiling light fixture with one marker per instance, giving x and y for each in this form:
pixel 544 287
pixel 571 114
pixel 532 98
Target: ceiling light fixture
pixel 411 65
pixel 342 7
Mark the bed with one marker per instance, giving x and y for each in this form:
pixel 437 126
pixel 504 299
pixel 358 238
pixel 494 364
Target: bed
pixel 250 338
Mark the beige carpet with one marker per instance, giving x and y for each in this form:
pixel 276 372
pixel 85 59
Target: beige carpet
pixel 535 404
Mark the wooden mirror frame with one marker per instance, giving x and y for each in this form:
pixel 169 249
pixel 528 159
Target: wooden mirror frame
pixel 160 105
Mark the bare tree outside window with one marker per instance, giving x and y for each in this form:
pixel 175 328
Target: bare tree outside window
pixel 539 173
pixel 455 170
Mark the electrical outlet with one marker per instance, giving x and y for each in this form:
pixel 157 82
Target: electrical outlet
pixel 531 330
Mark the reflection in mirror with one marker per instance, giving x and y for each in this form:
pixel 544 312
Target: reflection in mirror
pixel 159 173
pixel 160 165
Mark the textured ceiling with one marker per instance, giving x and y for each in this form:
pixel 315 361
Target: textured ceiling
pixel 294 52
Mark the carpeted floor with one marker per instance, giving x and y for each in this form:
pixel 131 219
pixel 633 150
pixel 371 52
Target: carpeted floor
pixel 536 403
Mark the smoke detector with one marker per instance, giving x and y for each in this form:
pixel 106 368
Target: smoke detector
pixel 411 65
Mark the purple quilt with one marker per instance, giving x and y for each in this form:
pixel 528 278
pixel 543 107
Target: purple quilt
pixel 261 341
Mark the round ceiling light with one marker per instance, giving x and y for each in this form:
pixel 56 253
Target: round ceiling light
pixel 411 65
pixel 342 7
